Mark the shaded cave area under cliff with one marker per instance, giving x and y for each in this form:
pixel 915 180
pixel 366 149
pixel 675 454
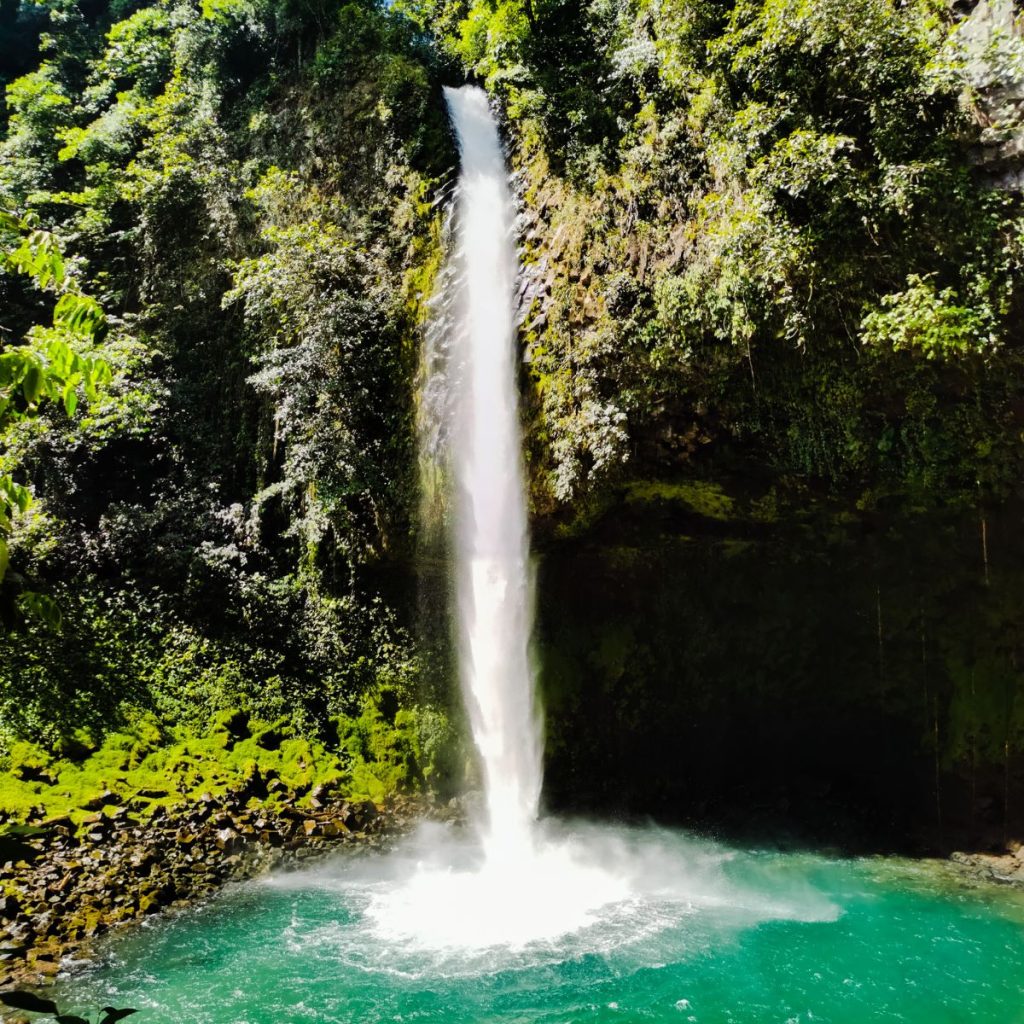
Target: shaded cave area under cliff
pixel 842 681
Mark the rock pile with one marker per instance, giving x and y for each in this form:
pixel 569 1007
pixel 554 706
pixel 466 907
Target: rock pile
pixel 1007 868
pixel 68 885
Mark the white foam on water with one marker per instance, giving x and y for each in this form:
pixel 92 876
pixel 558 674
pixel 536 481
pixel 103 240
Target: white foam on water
pixel 540 900
pixel 436 906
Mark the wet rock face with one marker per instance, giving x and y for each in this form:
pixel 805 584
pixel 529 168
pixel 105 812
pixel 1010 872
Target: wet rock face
pixel 69 886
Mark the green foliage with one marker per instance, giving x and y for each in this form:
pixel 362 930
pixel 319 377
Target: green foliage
pixel 756 244
pixel 210 467
pixel 702 497
pixel 374 756
pixel 756 228
pixel 320 296
pixel 933 323
pixel 54 365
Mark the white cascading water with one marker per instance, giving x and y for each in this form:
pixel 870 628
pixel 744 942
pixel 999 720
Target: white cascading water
pixel 511 887
pixel 490 536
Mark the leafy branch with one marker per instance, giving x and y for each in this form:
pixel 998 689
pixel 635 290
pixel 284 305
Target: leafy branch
pixel 55 363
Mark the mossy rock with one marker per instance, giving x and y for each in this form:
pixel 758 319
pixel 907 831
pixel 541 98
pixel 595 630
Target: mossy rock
pixel 233 722
pixel 30 763
pixel 271 737
pixel 78 746
pixel 701 497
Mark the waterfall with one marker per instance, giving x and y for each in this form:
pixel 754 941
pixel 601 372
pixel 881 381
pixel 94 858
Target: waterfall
pixel 490 543
pixel 511 883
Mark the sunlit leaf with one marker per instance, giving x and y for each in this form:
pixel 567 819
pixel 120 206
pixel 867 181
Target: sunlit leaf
pixel 32 383
pixel 10 221
pixel 80 314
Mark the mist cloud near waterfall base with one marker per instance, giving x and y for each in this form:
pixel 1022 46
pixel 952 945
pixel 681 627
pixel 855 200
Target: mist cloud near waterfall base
pixel 585 889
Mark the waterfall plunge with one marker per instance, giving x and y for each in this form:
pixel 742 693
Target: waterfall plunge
pixel 513 886
pixel 490 536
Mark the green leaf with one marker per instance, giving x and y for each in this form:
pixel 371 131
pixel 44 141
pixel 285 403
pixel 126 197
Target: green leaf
pixel 32 383
pixel 27 1001
pixel 80 314
pixel 46 262
pixel 61 357
pixel 12 367
pixel 43 609
pixel 70 399
pixel 5 558
pixel 10 221
pixel 15 495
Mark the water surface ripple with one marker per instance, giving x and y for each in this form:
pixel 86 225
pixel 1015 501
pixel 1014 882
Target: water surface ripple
pixel 697 932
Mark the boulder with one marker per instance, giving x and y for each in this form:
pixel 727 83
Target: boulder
pixel 97 803
pixel 228 840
